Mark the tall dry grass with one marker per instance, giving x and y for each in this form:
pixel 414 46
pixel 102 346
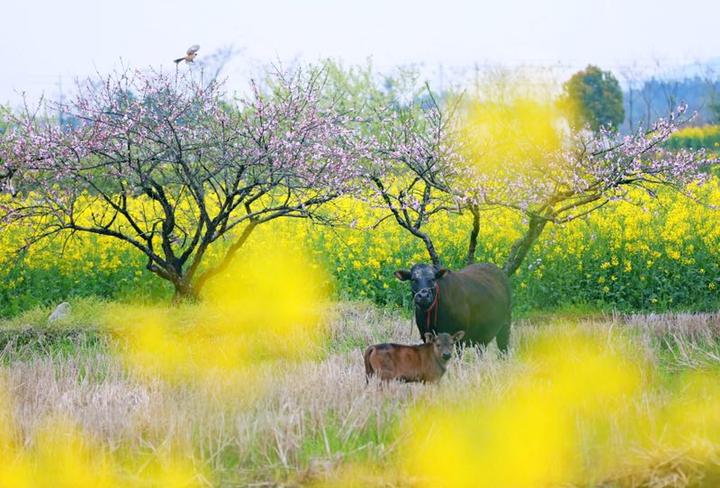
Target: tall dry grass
pixel 316 421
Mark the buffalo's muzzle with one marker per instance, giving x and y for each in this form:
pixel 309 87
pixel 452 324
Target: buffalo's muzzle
pixel 423 297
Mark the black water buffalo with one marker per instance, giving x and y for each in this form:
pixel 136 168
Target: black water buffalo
pixel 475 299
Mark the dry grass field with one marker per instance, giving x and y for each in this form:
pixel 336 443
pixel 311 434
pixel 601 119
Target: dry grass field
pixel 316 422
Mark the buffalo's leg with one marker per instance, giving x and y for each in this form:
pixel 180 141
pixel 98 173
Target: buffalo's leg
pixel 503 338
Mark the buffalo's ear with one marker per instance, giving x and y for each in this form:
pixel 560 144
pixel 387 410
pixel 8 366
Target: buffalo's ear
pixel 428 337
pixel 402 275
pixel 439 273
pixel 458 335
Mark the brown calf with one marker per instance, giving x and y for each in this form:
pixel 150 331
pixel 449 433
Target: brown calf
pixel 423 362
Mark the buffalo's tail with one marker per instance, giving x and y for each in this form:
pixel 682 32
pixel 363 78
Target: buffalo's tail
pixel 368 367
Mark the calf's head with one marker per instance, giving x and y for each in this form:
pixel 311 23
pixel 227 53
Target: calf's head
pixel 443 344
pixel 423 278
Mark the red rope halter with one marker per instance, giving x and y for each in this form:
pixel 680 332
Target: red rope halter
pixel 433 306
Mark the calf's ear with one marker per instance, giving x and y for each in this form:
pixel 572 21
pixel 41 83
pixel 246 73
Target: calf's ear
pixel 402 275
pixel 428 337
pixel 439 273
pixel 458 335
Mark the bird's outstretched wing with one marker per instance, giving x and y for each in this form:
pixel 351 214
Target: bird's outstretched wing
pixel 193 49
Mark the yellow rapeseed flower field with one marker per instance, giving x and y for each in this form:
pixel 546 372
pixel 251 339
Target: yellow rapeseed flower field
pixel 655 253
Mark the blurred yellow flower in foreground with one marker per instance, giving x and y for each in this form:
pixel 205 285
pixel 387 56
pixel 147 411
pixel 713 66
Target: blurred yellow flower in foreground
pixel 57 454
pixel 61 457
pixel 528 434
pixel 267 305
pixel 692 419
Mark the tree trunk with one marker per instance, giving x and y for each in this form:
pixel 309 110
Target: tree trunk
pixel 522 246
pixel 184 292
pixel 472 245
pixel 431 250
pixel 227 259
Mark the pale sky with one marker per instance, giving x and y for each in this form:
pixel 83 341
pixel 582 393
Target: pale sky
pixel 42 42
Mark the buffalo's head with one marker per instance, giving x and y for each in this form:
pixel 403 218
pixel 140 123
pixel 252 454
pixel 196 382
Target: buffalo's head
pixel 423 278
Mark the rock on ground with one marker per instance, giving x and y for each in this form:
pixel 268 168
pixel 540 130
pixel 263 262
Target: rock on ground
pixel 60 312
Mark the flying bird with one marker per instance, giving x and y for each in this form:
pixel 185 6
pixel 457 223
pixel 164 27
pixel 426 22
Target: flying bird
pixel 190 56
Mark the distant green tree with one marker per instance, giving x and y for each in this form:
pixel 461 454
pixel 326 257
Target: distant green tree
pixel 715 110
pixel 593 98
